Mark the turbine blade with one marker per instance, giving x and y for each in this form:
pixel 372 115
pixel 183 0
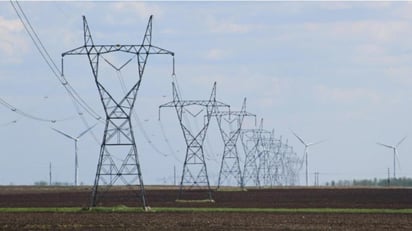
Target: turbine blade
pixel 315 143
pixel 300 139
pixel 385 145
pixel 84 132
pixel 399 143
pixel 64 134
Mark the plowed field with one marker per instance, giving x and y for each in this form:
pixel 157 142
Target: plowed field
pixel 381 198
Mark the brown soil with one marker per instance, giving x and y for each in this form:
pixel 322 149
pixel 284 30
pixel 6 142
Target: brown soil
pixel 253 198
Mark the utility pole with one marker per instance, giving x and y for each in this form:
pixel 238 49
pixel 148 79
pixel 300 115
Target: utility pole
pixel 118 159
pixel 316 178
pixel 50 174
pixel 389 177
pixel 174 174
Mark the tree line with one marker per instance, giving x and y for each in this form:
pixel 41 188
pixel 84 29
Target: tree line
pixel 400 182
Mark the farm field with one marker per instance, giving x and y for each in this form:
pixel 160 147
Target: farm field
pixel 254 209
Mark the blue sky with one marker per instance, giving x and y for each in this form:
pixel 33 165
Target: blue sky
pixel 328 70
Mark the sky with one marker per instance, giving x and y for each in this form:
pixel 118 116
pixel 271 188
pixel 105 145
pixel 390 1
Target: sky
pixel 334 71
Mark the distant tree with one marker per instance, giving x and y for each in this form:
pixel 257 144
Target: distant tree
pixel 45 183
pixel 399 182
pixel 41 183
pixel 60 184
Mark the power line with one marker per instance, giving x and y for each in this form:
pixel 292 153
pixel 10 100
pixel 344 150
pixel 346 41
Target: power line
pixel 136 117
pixel 77 101
pixel 30 116
pixel 8 123
pixel 50 63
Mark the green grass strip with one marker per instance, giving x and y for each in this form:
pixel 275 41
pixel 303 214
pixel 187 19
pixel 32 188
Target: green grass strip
pixel 33 209
pixel 288 210
pixel 120 209
pixel 72 210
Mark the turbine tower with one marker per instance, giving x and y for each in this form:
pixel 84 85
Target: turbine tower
pixel 305 152
pixel 75 139
pixel 395 153
pixel 118 158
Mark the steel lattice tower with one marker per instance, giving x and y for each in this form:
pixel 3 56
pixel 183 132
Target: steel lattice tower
pixel 252 142
pixel 118 159
pixel 271 160
pixel 263 156
pixel 291 166
pixel 230 165
pixel 194 168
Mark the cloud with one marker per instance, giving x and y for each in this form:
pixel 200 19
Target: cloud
pixel 12 42
pixel 380 55
pixel 336 5
pixel 346 95
pixel 404 11
pixel 400 74
pixel 372 30
pixel 216 54
pixel 142 9
pixel 377 43
pixel 261 90
pixel 226 26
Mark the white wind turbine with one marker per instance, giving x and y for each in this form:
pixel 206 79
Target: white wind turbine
pixel 305 152
pixel 76 163
pixel 395 153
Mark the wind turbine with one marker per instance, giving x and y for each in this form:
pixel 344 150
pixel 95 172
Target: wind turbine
pixel 305 151
pixel 395 153
pixel 76 163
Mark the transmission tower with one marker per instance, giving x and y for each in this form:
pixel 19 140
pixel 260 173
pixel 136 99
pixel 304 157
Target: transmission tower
pixel 267 157
pixel 265 139
pixel 230 166
pixel 194 168
pixel 280 163
pixel 118 159
pixel 252 142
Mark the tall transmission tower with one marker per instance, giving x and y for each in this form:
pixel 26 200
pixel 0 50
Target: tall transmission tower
pixel 230 165
pixel 194 168
pixel 118 159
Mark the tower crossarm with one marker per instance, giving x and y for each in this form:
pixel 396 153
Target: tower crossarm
pixel 94 51
pixel 104 49
pixel 185 103
pixel 232 113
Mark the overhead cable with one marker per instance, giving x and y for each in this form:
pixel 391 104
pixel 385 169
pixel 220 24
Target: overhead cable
pixel 49 61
